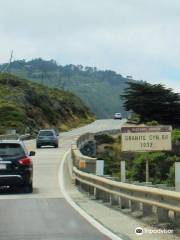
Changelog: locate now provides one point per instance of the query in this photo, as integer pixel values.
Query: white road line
(91, 220)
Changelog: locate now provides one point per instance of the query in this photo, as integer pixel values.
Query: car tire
(56, 146)
(28, 188)
(38, 146)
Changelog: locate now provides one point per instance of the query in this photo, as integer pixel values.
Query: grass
(24, 104)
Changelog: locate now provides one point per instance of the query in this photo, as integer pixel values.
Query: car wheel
(38, 146)
(28, 188)
(56, 145)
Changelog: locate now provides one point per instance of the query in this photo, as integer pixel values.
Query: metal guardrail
(24, 137)
(14, 137)
(155, 197)
(164, 205)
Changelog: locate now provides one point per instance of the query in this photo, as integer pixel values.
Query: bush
(26, 104)
(171, 176)
(152, 123)
(135, 118)
(160, 166)
(176, 135)
(104, 138)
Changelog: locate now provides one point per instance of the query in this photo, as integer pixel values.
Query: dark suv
(16, 167)
(47, 137)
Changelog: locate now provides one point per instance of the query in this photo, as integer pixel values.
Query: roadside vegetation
(27, 107)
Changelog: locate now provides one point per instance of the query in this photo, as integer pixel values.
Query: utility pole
(10, 61)
(7, 67)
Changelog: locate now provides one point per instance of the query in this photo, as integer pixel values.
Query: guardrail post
(177, 218)
(162, 215)
(114, 200)
(105, 197)
(76, 182)
(80, 186)
(98, 194)
(135, 206)
(147, 210)
(85, 188)
(124, 203)
(91, 190)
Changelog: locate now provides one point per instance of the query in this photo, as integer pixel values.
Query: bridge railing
(164, 205)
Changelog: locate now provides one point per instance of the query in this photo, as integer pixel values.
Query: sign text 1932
(145, 139)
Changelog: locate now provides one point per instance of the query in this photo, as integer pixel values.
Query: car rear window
(11, 149)
(46, 133)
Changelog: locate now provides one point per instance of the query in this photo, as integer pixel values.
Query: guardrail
(164, 205)
(14, 136)
(135, 198)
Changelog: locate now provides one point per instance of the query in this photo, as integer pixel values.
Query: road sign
(146, 138)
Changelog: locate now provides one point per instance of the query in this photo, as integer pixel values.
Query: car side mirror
(32, 153)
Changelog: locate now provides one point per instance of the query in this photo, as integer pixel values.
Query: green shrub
(134, 118)
(152, 123)
(176, 135)
(26, 104)
(171, 176)
(104, 138)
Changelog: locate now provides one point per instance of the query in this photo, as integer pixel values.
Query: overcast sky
(133, 37)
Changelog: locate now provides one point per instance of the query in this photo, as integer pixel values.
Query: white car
(117, 116)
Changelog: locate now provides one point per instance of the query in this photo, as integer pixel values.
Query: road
(45, 214)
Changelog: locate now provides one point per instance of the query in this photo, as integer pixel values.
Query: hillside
(27, 106)
(100, 90)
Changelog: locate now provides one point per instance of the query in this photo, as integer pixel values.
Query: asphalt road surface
(45, 214)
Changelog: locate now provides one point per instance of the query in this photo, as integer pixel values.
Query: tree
(153, 102)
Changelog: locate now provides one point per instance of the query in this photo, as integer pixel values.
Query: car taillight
(25, 161)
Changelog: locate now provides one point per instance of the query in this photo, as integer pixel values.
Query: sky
(140, 38)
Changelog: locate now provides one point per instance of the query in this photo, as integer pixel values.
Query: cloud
(134, 37)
